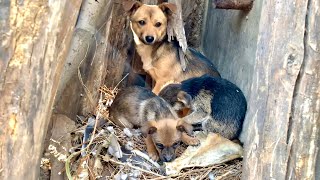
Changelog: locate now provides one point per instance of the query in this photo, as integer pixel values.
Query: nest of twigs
(96, 160)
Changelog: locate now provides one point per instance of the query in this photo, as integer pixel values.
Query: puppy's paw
(154, 155)
(193, 141)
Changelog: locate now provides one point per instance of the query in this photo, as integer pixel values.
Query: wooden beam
(304, 139)
(37, 36)
(233, 4)
(283, 112)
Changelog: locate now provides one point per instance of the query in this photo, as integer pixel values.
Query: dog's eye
(142, 22)
(158, 24)
(160, 146)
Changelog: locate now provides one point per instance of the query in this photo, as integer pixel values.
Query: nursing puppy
(139, 107)
(213, 104)
(160, 58)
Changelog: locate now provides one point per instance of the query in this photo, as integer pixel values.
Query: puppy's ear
(168, 8)
(130, 5)
(152, 130)
(184, 98)
(182, 126)
(149, 128)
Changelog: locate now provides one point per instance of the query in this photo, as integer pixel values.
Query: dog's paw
(193, 141)
(154, 155)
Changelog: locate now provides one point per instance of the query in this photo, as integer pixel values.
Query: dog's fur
(160, 58)
(163, 130)
(214, 104)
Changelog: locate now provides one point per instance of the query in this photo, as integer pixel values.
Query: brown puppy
(163, 130)
(164, 136)
(160, 58)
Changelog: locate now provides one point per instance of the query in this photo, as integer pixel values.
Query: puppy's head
(183, 103)
(178, 99)
(149, 22)
(166, 136)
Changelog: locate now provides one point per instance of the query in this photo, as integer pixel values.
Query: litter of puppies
(109, 157)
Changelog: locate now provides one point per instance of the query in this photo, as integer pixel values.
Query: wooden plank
(37, 43)
(304, 139)
(279, 58)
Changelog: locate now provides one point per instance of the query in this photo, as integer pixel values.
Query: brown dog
(163, 130)
(160, 57)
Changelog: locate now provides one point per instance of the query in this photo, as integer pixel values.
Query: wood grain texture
(276, 105)
(37, 41)
(304, 139)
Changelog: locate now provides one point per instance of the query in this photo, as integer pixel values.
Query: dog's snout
(149, 39)
(168, 158)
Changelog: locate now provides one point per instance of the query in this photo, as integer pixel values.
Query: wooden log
(283, 111)
(304, 125)
(245, 5)
(36, 35)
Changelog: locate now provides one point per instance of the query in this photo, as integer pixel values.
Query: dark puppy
(215, 103)
(139, 107)
(160, 58)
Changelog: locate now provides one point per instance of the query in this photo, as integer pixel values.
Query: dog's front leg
(151, 149)
(185, 138)
(157, 87)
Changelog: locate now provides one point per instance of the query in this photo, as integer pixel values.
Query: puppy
(160, 58)
(213, 104)
(139, 107)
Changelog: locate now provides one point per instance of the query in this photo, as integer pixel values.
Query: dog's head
(149, 22)
(166, 135)
(178, 99)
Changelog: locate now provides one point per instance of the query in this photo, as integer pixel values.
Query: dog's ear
(149, 128)
(130, 5)
(182, 126)
(152, 130)
(184, 98)
(168, 8)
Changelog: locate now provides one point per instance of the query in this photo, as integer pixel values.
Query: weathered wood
(281, 70)
(37, 36)
(304, 125)
(233, 4)
(96, 69)
(193, 16)
(79, 91)
(118, 42)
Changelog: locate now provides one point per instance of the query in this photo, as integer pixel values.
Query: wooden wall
(35, 38)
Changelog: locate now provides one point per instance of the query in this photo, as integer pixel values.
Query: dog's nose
(168, 158)
(149, 39)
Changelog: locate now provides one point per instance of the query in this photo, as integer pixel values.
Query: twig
(86, 90)
(206, 174)
(224, 175)
(137, 168)
(120, 81)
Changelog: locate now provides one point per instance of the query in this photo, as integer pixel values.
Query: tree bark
(283, 111)
(36, 39)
